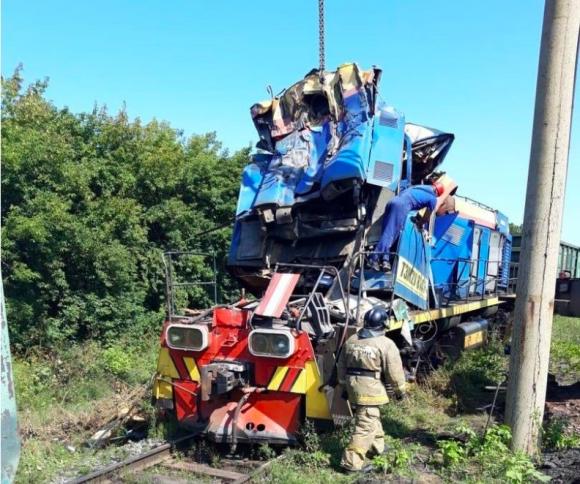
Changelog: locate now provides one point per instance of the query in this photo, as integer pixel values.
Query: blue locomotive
(342, 208)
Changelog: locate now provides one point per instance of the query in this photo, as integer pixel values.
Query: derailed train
(331, 156)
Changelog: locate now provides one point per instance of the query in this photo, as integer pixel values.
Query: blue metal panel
(483, 259)
(502, 223)
(505, 262)
(350, 161)
(412, 271)
(453, 240)
(384, 167)
(252, 178)
(463, 264)
(319, 138)
(292, 155)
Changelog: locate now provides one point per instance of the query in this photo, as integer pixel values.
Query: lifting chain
(321, 35)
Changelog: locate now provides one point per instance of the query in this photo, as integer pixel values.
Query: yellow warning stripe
(165, 364)
(419, 317)
(282, 372)
(309, 383)
(278, 378)
(300, 383)
(192, 369)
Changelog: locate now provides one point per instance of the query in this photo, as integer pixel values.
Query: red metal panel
(271, 416)
(235, 318)
(185, 400)
(277, 413)
(277, 295)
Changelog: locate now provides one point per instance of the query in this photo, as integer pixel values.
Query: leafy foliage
(491, 453)
(466, 377)
(556, 436)
(565, 350)
(89, 203)
(397, 458)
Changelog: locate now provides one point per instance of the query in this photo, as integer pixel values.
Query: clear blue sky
(461, 66)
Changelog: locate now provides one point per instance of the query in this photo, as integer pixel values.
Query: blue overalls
(413, 198)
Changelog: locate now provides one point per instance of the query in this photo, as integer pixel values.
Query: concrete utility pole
(526, 393)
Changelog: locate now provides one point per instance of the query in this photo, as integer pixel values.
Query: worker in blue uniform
(415, 197)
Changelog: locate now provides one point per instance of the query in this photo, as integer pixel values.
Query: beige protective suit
(365, 365)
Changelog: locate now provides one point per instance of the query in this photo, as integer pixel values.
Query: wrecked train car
(331, 159)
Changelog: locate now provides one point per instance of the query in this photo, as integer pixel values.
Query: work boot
(363, 470)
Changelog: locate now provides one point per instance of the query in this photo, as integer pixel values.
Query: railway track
(230, 471)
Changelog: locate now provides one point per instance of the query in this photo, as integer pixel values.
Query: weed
(491, 455)
(309, 437)
(396, 460)
(66, 395)
(565, 349)
(43, 461)
(313, 460)
(117, 360)
(453, 452)
(555, 437)
(286, 471)
(265, 452)
(464, 380)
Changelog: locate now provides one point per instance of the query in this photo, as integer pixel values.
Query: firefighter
(368, 361)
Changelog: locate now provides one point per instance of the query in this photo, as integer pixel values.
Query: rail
(163, 455)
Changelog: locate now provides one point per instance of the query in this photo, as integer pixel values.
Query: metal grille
(383, 171)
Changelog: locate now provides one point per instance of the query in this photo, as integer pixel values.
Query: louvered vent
(454, 234)
(383, 171)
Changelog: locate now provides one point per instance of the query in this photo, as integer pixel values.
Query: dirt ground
(562, 466)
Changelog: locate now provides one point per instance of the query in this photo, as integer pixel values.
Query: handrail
(170, 285)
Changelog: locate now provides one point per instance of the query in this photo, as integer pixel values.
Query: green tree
(89, 203)
(516, 229)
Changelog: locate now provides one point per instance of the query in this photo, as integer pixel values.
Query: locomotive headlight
(192, 337)
(273, 343)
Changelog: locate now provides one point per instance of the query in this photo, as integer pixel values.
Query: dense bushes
(89, 203)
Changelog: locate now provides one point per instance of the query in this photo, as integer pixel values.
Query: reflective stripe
(371, 400)
(356, 449)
